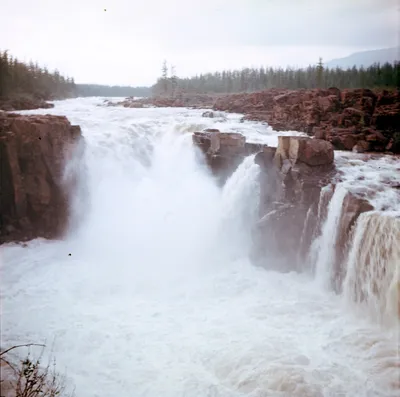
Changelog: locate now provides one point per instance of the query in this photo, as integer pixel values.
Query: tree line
(87, 90)
(385, 75)
(20, 79)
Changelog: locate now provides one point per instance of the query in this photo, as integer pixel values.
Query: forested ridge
(256, 79)
(18, 79)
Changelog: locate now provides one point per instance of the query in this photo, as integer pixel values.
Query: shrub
(29, 378)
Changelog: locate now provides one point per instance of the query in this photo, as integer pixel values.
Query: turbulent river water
(152, 292)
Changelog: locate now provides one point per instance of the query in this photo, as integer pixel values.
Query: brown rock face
(224, 150)
(308, 151)
(290, 183)
(34, 189)
(353, 207)
(290, 186)
(341, 117)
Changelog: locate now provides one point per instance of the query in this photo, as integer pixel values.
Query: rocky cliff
(358, 119)
(297, 183)
(34, 184)
(224, 151)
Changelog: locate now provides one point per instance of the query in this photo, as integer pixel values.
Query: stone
(265, 158)
(223, 150)
(353, 207)
(313, 152)
(361, 147)
(34, 151)
(319, 133)
(324, 114)
(24, 103)
(344, 142)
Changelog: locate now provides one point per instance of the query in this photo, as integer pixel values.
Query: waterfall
(240, 204)
(325, 196)
(373, 267)
(152, 292)
(324, 246)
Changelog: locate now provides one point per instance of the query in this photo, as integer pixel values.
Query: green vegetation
(29, 81)
(256, 79)
(86, 90)
(18, 79)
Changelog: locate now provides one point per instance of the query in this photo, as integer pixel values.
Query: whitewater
(151, 292)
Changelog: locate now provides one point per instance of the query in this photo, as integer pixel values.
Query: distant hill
(366, 58)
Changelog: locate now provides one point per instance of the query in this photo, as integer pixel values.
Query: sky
(125, 41)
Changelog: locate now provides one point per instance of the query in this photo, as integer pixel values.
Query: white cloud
(126, 43)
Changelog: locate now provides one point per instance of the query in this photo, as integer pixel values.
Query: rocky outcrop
(24, 103)
(290, 186)
(224, 150)
(358, 119)
(354, 119)
(211, 115)
(34, 151)
(201, 101)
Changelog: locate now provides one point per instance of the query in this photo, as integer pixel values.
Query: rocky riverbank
(35, 186)
(202, 101)
(23, 103)
(360, 120)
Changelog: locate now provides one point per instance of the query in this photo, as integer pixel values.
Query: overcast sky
(125, 41)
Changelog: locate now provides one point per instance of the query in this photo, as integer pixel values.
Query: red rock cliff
(34, 192)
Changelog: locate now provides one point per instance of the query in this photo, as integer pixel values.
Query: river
(152, 292)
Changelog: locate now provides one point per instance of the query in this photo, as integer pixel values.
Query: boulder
(34, 151)
(312, 152)
(361, 147)
(345, 141)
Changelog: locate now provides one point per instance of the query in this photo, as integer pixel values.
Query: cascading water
(373, 269)
(158, 297)
(324, 245)
(239, 206)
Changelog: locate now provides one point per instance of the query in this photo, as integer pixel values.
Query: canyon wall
(34, 183)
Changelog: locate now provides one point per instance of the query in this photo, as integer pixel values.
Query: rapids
(158, 297)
